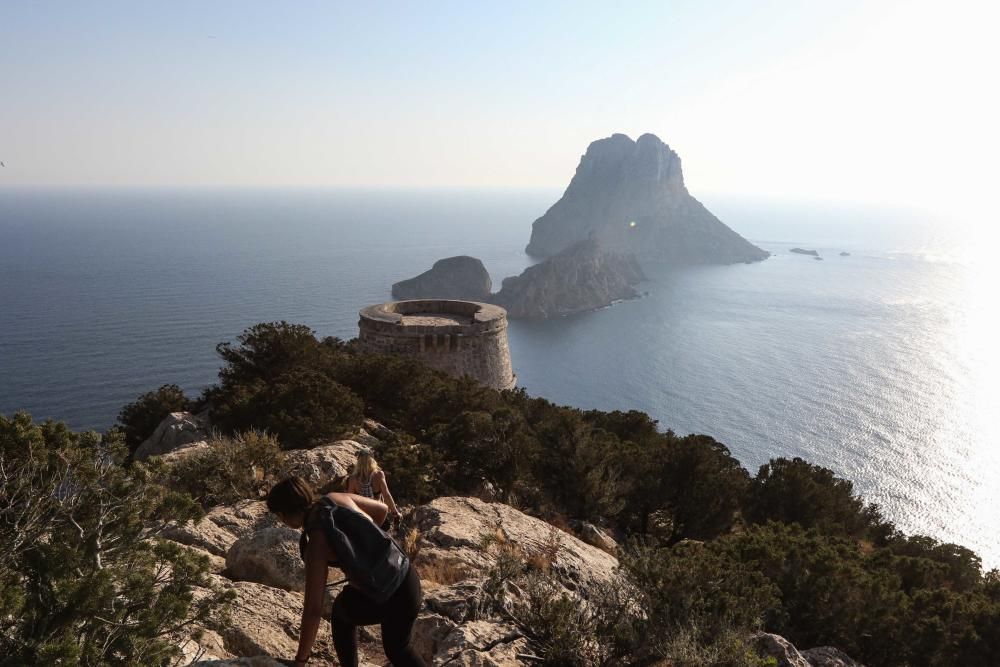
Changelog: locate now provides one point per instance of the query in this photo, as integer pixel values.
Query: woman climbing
(341, 529)
(368, 480)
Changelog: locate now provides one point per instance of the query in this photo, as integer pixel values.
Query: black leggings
(397, 614)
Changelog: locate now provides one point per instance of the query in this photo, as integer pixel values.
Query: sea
(881, 364)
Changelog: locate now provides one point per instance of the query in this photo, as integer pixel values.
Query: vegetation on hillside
(711, 551)
(82, 579)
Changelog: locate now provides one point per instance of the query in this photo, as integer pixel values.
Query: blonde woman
(368, 480)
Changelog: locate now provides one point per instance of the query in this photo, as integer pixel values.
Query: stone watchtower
(457, 337)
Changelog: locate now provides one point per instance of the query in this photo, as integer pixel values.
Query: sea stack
(461, 277)
(582, 277)
(630, 197)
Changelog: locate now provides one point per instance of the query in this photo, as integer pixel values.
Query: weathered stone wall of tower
(457, 337)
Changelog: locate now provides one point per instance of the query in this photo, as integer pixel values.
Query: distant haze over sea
(878, 365)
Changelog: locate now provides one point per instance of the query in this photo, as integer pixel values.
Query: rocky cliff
(460, 277)
(459, 545)
(630, 196)
(580, 278)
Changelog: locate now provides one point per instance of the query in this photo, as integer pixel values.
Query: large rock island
(583, 277)
(460, 277)
(630, 196)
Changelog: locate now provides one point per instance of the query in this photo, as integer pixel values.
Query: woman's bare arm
(317, 555)
(373, 508)
(384, 488)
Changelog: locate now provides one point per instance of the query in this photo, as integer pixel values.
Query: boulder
(630, 196)
(429, 632)
(453, 528)
(216, 564)
(207, 649)
(268, 556)
(481, 644)
(828, 656)
(453, 602)
(595, 537)
(177, 430)
(322, 465)
(376, 429)
(367, 439)
(777, 647)
(222, 526)
(265, 621)
(460, 277)
(184, 451)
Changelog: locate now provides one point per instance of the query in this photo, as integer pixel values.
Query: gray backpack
(372, 561)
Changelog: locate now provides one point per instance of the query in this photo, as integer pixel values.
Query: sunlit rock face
(630, 196)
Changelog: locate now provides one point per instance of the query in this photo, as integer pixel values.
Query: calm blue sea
(880, 365)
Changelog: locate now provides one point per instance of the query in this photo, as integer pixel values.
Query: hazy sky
(863, 101)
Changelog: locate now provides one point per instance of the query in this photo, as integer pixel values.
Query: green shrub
(867, 602)
(83, 579)
(579, 468)
(682, 488)
(229, 469)
(497, 447)
(414, 469)
(281, 379)
(694, 585)
(138, 420)
(795, 491)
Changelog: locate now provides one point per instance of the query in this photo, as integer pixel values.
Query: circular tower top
(457, 337)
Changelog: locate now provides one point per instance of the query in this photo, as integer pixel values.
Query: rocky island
(630, 196)
(583, 277)
(803, 251)
(580, 278)
(460, 277)
(627, 202)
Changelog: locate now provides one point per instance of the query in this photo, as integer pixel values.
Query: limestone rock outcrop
(481, 643)
(265, 621)
(594, 536)
(221, 526)
(322, 465)
(177, 431)
(828, 656)
(451, 629)
(583, 277)
(453, 528)
(786, 655)
(779, 648)
(461, 277)
(630, 196)
(268, 556)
